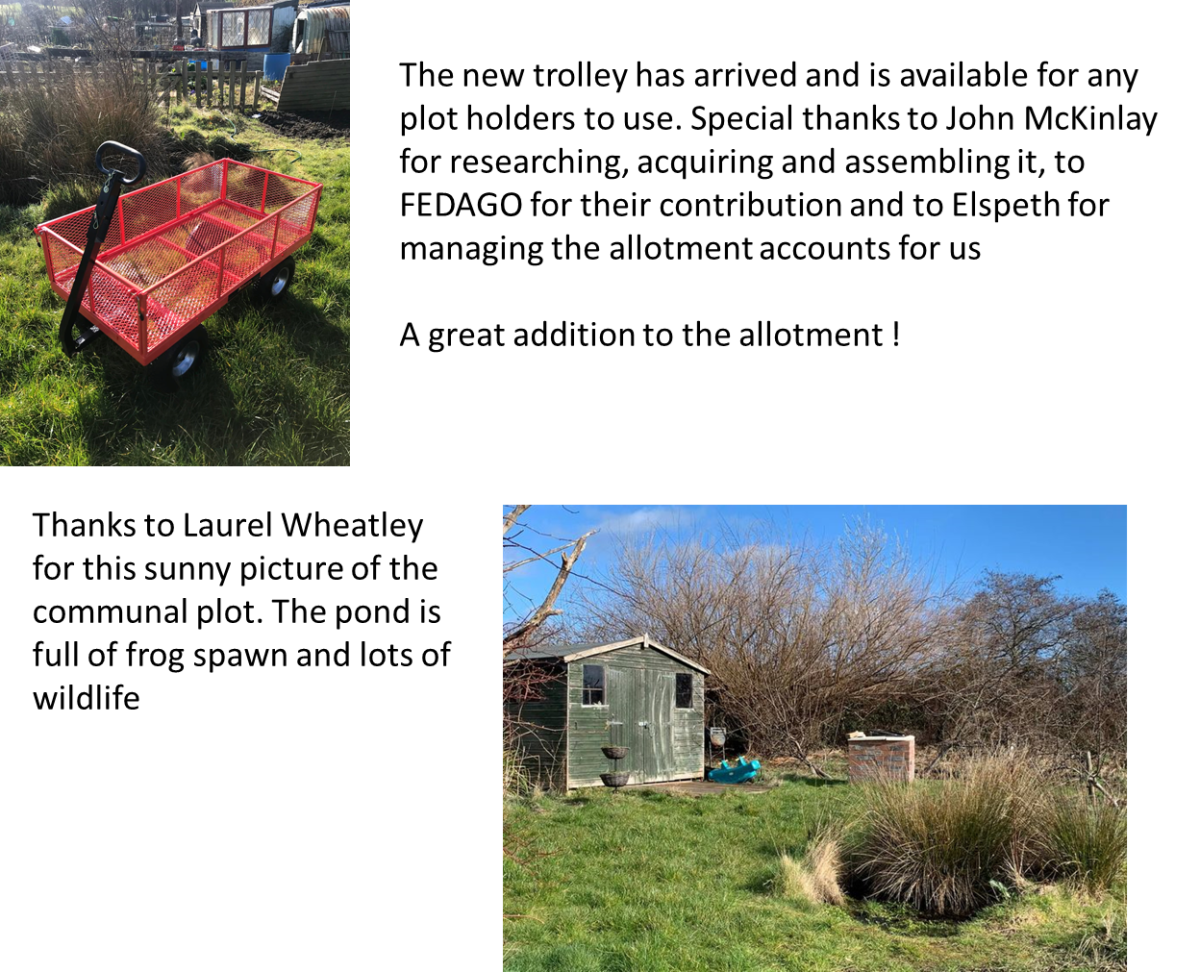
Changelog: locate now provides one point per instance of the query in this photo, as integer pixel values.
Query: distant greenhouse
(265, 28)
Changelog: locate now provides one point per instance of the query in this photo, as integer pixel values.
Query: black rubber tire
(276, 281)
(181, 359)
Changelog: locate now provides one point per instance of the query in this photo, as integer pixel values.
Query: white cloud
(647, 519)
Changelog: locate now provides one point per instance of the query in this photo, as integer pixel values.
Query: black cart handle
(141, 161)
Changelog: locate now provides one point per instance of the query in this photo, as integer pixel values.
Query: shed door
(657, 695)
(624, 689)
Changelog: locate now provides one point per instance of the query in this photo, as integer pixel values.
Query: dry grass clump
(949, 848)
(815, 878)
(943, 847)
(197, 160)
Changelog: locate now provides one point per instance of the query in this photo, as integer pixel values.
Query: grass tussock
(944, 848)
(49, 132)
(814, 878)
(1086, 843)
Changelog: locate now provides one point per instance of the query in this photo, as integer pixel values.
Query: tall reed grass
(50, 129)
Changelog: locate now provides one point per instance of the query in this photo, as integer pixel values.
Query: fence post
(208, 69)
(243, 99)
(257, 80)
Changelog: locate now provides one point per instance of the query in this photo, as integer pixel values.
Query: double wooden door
(642, 703)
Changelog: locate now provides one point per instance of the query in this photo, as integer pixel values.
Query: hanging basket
(615, 752)
(614, 780)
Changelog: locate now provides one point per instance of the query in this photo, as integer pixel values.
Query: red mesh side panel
(115, 304)
(73, 228)
(282, 190)
(147, 209)
(180, 299)
(244, 185)
(63, 258)
(293, 222)
(200, 187)
(246, 254)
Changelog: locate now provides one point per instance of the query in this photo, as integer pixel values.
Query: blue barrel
(274, 65)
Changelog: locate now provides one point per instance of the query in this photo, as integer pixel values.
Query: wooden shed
(634, 693)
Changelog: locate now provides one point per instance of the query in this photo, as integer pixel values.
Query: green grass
(644, 881)
(273, 390)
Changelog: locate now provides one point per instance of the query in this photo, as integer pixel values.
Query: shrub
(944, 848)
(816, 877)
(1084, 843)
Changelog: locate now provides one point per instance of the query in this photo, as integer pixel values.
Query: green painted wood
(640, 689)
(658, 761)
(542, 734)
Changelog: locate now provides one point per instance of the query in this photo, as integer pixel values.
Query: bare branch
(511, 517)
(547, 609)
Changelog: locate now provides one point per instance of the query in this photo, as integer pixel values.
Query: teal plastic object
(739, 772)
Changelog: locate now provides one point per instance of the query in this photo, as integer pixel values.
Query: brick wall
(882, 758)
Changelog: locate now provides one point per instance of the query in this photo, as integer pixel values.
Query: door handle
(644, 724)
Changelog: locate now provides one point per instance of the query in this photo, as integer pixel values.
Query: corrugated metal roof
(321, 30)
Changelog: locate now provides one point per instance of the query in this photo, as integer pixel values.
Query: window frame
(584, 688)
(691, 683)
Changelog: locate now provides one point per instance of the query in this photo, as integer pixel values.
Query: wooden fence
(230, 86)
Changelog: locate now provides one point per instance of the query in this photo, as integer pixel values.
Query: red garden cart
(148, 267)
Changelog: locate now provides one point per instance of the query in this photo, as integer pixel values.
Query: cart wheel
(275, 283)
(180, 359)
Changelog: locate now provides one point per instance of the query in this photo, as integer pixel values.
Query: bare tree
(1000, 674)
(796, 636)
(526, 678)
(1095, 674)
(522, 550)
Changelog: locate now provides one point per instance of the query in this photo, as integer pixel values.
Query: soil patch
(320, 125)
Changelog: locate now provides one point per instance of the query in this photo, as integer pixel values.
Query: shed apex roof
(575, 652)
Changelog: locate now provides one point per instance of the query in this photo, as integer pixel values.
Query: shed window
(593, 685)
(683, 691)
(233, 29)
(258, 27)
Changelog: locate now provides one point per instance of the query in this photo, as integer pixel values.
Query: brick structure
(882, 758)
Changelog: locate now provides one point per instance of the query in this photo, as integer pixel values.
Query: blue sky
(1084, 545)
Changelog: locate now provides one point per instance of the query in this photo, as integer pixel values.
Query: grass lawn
(645, 881)
(274, 389)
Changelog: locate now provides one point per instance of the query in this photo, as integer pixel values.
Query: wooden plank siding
(317, 86)
(640, 687)
(541, 733)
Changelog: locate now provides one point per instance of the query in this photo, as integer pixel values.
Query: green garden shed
(635, 693)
